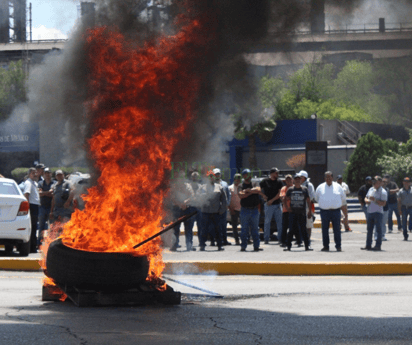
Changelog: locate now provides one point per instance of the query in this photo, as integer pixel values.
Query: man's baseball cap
(296, 176)
(303, 173)
(273, 170)
(339, 177)
(368, 178)
(406, 179)
(237, 176)
(246, 171)
(40, 166)
(288, 176)
(59, 172)
(216, 171)
(47, 170)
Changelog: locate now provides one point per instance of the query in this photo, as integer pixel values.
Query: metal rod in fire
(167, 228)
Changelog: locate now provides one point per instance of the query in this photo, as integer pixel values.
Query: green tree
(364, 160)
(271, 91)
(12, 88)
(312, 82)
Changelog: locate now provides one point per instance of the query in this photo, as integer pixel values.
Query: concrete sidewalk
(394, 259)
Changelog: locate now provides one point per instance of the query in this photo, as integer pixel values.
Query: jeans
(188, 224)
(44, 213)
(34, 214)
(384, 221)
(374, 219)
(285, 227)
(365, 210)
(210, 225)
(393, 208)
(326, 217)
(297, 223)
(270, 212)
(235, 223)
(198, 220)
(249, 220)
(405, 213)
(223, 226)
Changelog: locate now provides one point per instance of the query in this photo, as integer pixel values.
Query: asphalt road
(253, 310)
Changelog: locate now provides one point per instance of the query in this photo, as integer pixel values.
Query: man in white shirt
(331, 199)
(32, 195)
(376, 200)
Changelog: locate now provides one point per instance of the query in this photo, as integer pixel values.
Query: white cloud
(43, 33)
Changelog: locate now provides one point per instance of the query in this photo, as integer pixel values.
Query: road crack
(66, 329)
(215, 325)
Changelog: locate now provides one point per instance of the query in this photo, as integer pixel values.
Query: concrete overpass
(34, 51)
(278, 50)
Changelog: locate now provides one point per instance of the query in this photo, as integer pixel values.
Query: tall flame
(142, 100)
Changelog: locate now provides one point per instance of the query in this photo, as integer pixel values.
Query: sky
(53, 19)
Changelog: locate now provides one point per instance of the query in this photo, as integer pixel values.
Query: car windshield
(8, 188)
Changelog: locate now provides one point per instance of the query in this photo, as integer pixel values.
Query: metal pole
(167, 228)
(31, 24)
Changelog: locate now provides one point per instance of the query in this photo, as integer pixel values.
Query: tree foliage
(360, 91)
(397, 162)
(12, 88)
(366, 159)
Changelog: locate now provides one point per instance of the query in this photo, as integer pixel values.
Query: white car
(15, 226)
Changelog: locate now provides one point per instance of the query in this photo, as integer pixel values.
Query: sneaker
(193, 249)
(257, 249)
(286, 249)
(366, 248)
(324, 249)
(242, 249)
(308, 249)
(377, 248)
(202, 249)
(339, 249)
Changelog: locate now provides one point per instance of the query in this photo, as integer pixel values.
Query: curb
(253, 268)
(288, 268)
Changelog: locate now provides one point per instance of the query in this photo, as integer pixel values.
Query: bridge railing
(356, 29)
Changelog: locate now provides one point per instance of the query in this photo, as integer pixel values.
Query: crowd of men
(50, 200)
(290, 204)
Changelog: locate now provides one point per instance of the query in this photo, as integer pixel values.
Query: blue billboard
(21, 137)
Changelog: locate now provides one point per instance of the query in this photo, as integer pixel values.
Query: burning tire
(95, 271)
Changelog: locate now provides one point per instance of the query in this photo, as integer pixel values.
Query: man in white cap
(305, 182)
(223, 217)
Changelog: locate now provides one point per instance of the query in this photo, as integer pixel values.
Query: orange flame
(141, 103)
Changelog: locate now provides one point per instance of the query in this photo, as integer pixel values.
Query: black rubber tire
(94, 271)
(8, 248)
(24, 249)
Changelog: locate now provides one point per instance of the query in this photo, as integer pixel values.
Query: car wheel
(92, 270)
(8, 248)
(24, 249)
